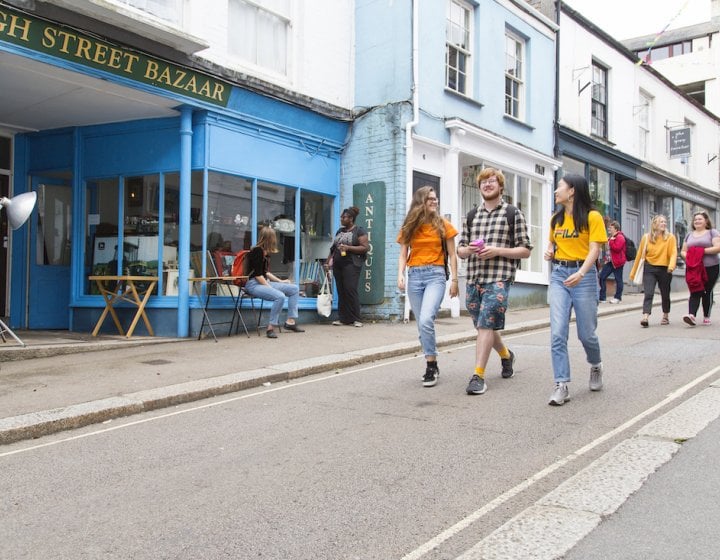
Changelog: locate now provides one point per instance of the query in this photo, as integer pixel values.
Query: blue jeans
(275, 293)
(426, 289)
(605, 273)
(583, 298)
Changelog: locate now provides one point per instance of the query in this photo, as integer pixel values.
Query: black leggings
(656, 275)
(707, 295)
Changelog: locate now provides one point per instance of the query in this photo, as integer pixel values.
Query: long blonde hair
(653, 235)
(419, 215)
(267, 240)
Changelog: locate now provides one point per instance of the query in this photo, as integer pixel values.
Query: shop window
(276, 208)
(101, 230)
(316, 236)
(599, 182)
(574, 166)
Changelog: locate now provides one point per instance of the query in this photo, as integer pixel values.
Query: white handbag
(640, 270)
(324, 298)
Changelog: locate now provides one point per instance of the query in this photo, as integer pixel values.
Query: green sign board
(66, 43)
(370, 198)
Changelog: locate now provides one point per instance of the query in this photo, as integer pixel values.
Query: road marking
(490, 506)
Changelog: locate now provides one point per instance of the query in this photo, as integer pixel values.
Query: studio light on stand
(18, 210)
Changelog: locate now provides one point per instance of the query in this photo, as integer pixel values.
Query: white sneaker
(596, 382)
(690, 319)
(560, 395)
(614, 300)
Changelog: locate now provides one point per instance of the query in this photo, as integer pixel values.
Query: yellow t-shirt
(425, 245)
(571, 245)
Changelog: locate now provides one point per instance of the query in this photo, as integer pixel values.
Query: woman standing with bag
(659, 255)
(347, 256)
(422, 252)
(577, 231)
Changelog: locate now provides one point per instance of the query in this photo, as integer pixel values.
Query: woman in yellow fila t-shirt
(422, 253)
(577, 232)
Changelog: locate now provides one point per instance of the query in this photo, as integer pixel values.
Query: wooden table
(216, 282)
(115, 289)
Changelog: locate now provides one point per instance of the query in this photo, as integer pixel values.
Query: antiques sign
(370, 198)
(69, 44)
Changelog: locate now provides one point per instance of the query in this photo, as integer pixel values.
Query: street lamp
(18, 209)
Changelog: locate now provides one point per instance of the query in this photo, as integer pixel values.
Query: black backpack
(630, 249)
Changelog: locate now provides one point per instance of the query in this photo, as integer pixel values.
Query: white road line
(487, 508)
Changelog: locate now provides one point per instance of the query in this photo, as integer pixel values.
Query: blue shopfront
(160, 196)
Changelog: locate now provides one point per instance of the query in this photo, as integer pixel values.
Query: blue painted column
(183, 311)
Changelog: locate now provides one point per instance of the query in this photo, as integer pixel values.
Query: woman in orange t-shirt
(423, 254)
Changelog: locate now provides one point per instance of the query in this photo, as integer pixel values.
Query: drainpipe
(183, 311)
(409, 130)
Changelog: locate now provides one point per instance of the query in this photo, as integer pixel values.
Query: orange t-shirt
(425, 245)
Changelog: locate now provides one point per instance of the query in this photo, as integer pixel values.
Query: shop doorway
(49, 255)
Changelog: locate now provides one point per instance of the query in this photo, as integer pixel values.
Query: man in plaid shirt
(491, 271)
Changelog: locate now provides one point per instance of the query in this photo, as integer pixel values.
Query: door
(49, 273)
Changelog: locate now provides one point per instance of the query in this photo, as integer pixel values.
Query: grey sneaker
(476, 386)
(507, 366)
(560, 395)
(430, 378)
(596, 383)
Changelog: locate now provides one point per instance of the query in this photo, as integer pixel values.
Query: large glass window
(457, 46)
(316, 235)
(599, 182)
(574, 166)
(259, 34)
(598, 125)
(514, 76)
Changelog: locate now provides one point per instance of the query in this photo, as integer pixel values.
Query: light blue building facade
(444, 89)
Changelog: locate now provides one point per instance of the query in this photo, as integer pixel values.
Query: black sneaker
(430, 378)
(476, 386)
(507, 366)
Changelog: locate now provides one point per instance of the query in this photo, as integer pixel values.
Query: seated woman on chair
(264, 285)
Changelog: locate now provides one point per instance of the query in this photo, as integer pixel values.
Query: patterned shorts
(487, 304)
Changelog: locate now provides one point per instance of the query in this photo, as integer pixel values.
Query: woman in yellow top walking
(422, 253)
(660, 249)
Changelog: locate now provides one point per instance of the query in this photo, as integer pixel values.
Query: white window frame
(643, 119)
(514, 76)
(458, 54)
(258, 37)
(166, 10)
(599, 100)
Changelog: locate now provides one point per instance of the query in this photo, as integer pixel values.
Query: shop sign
(68, 44)
(370, 199)
(680, 142)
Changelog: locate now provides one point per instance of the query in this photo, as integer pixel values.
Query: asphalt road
(363, 463)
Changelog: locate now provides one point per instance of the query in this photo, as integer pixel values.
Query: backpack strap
(510, 213)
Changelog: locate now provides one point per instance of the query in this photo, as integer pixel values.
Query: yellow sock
(480, 372)
(504, 353)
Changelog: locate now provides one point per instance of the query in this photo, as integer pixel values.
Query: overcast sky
(632, 18)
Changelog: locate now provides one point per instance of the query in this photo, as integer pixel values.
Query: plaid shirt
(493, 227)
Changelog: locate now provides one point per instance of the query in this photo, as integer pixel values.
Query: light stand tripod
(5, 329)
(18, 210)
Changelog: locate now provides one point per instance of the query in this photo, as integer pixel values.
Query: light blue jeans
(275, 293)
(425, 290)
(583, 298)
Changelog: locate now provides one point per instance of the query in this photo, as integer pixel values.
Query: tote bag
(638, 280)
(324, 299)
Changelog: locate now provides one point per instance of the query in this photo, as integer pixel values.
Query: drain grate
(157, 362)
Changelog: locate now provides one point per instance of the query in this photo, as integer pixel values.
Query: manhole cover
(157, 362)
